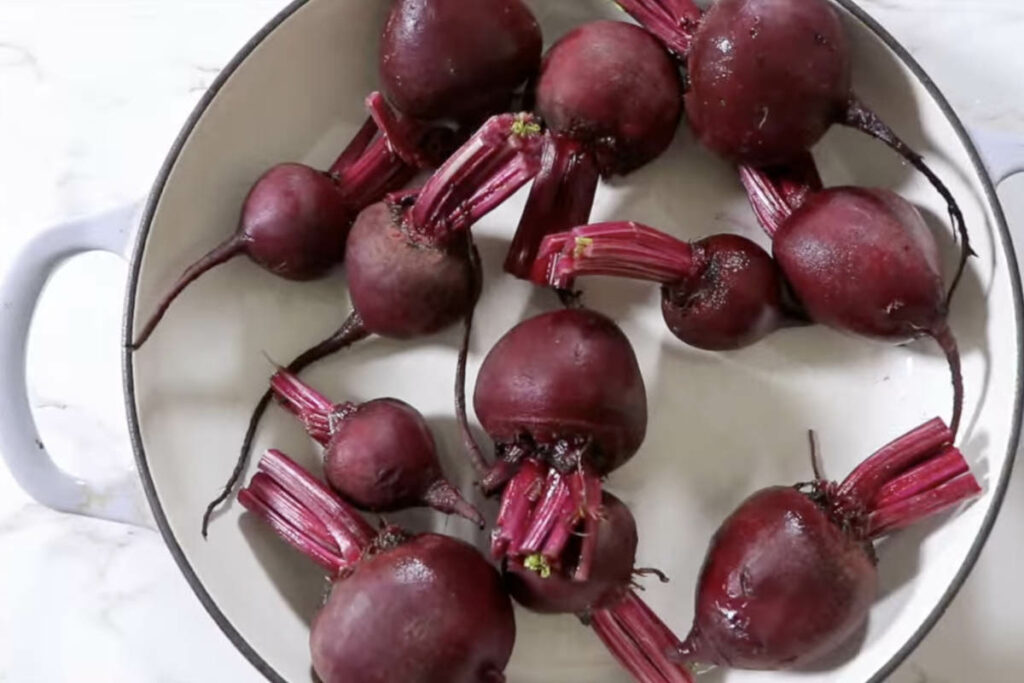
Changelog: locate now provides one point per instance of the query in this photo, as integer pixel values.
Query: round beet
(418, 609)
(611, 577)
(565, 377)
(767, 78)
(562, 397)
(439, 615)
(863, 260)
(790, 575)
(451, 59)
(611, 86)
(719, 293)
(782, 585)
(612, 98)
(379, 455)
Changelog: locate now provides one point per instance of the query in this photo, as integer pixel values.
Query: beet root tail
(640, 641)
(222, 253)
(444, 497)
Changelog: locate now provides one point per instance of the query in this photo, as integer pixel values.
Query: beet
(612, 99)
(439, 613)
(562, 397)
(379, 455)
(411, 264)
(606, 601)
(442, 64)
(450, 59)
(720, 293)
(768, 78)
(860, 260)
(790, 575)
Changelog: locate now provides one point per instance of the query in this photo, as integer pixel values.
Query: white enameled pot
(722, 425)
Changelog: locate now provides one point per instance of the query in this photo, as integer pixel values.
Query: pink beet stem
(863, 484)
(949, 464)
(651, 635)
(291, 510)
(521, 494)
(768, 204)
(673, 22)
(502, 156)
(569, 517)
(317, 413)
(356, 146)
(351, 532)
(933, 501)
(623, 249)
(405, 137)
(561, 198)
(547, 515)
(296, 538)
(639, 640)
(371, 177)
(586, 492)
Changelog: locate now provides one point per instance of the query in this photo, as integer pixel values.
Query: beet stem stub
(673, 22)
(222, 253)
(640, 641)
(620, 248)
(860, 117)
(502, 156)
(900, 515)
(355, 148)
(561, 198)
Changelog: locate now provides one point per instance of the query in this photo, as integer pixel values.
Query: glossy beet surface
(431, 610)
(863, 260)
(402, 288)
(452, 59)
(767, 77)
(295, 221)
(782, 584)
(614, 87)
(610, 578)
(735, 300)
(565, 374)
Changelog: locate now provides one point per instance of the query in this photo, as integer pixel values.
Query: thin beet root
(861, 260)
(410, 264)
(720, 293)
(606, 601)
(601, 124)
(379, 455)
(791, 575)
(768, 78)
(562, 397)
(470, 628)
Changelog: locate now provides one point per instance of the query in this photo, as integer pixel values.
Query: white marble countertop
(92, 92)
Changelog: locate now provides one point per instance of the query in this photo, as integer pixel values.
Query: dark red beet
(379, 455)
(768, 78)
(612, 98)
(790, 575)
(606, 601)
(562, 396)
(860, 260)
(411, 265)
(719, 293)
(439, 613)
(451, 59)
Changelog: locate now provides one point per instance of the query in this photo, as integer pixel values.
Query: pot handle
(20, 444)
(1003, 153)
